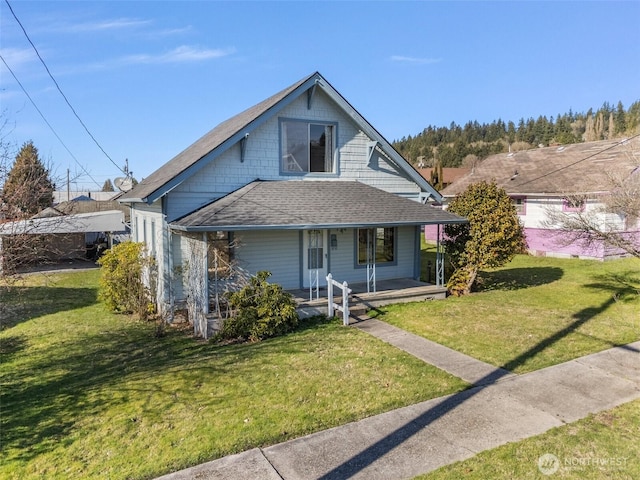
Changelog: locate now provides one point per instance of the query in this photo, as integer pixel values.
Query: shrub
(491, 238)
(260, 310)
(122, 288)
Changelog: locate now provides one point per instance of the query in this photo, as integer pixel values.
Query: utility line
(578, 161)
(60, 90)
(46, 121)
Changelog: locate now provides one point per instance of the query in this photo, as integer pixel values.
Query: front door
(314, 259)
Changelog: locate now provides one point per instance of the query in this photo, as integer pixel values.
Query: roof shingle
(311, 204)
(576, 168)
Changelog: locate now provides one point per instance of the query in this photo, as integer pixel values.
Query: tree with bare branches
(607, 220)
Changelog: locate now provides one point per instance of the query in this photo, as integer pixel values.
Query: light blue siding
(277, 251)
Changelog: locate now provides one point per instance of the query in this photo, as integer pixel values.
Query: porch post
(206, 275)
(439, 260)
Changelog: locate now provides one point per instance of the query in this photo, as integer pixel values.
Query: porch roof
(298, 204)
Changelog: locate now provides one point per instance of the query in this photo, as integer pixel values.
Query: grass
(604, 445)
(533, 313)
(88, 394)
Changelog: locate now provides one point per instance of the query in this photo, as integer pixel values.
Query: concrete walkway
(458, 364)
(406, 442)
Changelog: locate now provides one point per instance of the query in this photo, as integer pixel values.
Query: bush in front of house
(122, 288)
(260, 310)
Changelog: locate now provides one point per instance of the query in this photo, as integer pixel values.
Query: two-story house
(300, 185)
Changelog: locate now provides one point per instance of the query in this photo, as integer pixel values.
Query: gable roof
(557, 170)
(296, 204)
(231, 131)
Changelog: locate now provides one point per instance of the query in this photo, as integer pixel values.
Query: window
(307, 147)
(153, 238)
(520, 204)
(572, 204)
(376, 243)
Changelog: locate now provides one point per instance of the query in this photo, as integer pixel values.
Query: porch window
(219, 254)
(307, 147)
(376, 245)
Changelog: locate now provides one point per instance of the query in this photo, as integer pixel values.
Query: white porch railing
(344, 308)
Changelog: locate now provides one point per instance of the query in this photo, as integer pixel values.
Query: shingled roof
(576, 168)
(231, 131)
(209, 142)
(290, 204)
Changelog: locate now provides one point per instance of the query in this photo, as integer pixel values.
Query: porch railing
(344, 308)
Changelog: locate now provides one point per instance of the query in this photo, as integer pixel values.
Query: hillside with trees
(462, 145)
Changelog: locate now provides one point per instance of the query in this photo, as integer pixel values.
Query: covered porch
(400, 290)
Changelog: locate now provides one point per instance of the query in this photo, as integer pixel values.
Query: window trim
(336, 157)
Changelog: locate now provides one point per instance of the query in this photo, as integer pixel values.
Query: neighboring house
(60, 196)
(52, 236)
(300, 185)
(549, 178)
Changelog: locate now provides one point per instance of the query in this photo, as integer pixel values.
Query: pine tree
(28, 188)
(621, 124)
(107, 186)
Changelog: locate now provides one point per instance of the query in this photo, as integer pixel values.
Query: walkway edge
(457, 364)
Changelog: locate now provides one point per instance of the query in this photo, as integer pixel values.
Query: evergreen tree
(107, 186)
(28, 188)
(620, 119)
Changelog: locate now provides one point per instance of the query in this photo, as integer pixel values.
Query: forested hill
(458, 145)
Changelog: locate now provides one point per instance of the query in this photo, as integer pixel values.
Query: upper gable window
(307, 147)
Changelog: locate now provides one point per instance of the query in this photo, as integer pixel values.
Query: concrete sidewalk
(406, 442)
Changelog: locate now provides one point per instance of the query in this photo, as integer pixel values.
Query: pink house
(544, 180)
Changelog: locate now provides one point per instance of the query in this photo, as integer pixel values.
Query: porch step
(357, 313)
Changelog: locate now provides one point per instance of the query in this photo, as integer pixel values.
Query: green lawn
(88, 394)
(601, 446)
(534, 312)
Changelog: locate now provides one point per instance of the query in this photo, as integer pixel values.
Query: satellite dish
(124, 184)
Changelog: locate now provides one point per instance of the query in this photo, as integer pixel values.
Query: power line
(577, 161)
(46, 121)
(60, 90)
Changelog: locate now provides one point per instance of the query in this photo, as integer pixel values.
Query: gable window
(521, 205)
(307, 147)
(376, 245)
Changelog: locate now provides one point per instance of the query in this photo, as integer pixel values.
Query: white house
(300, 185)
(544, 180)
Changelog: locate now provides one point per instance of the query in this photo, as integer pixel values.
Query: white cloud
(414, 60)
(102, 26)
(182, 54)
(16, 57)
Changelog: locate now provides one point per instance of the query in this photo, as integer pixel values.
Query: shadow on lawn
(518, 278)
(372, 453)
(624, 286)
(40, 410)
(20, 304)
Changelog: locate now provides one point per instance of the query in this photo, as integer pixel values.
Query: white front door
(314, 258)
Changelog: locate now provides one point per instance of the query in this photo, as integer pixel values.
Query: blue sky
(149, 78)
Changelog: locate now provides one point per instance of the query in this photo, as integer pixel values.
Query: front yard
(88, 394)
(533, 313)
